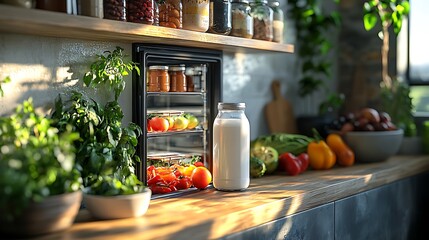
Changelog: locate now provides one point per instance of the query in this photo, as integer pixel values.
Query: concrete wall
(42, 67)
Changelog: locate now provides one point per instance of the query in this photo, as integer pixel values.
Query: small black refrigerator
(203, 70)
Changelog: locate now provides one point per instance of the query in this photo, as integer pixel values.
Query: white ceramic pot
(54, 213)
(120, 206)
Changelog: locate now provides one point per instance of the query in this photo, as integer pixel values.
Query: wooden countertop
(211, 214)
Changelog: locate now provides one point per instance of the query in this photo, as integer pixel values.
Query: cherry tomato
(201, 177)
(184, 183)
(303, 158)
(159, 124)
(154, 180)
(156, 189)
(290, 163)
(199, 164)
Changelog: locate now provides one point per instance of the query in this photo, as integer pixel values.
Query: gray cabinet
(399, 210)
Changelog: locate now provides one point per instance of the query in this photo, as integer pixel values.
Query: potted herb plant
(106, 150)
(39, 183)
(312, 24)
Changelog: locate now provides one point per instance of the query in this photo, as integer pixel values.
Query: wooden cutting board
(279, 113)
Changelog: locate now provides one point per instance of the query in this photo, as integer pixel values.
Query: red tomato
(303, 158)
(159, 124)
(199, 164)
(160, 189)
(201, 177)
(290, 163)
(148, 127)
(184, 183)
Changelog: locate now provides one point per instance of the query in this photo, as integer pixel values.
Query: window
(418, 55)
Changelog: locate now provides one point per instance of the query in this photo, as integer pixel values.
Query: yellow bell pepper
(320, 155)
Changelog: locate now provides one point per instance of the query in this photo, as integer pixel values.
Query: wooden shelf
(55, 24)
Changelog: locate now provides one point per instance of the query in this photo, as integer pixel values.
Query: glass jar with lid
(278, 21)
(242, 21)
(262, 20)
(177, 79)
(231, 148)
(115, 10)
(220, 17)
(170, 13)
(158, 79)
(140, 11)
(196, 15)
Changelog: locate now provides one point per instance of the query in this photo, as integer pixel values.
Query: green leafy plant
(110, 69)
(35, 160)
(395, 95)
(313, 45)
(106, 149)
(389, 13)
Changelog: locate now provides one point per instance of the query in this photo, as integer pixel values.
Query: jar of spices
(19, 3)
(220, 17)
(158, 79)
(196, 15)
(262, 20)
(115, 10)
(155, 13)
(52, 5)
(140, 11)
(242, 21)
(177, 79)
(278, 22)
(91, 8)
(170, 14)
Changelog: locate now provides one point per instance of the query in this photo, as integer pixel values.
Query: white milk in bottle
(231, 148)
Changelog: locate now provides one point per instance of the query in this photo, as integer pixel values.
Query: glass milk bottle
(231, 148)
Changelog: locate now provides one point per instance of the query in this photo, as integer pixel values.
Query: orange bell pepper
(320, 155)
(345, 155)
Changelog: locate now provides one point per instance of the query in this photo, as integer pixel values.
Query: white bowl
(374, 146)
(120, 206)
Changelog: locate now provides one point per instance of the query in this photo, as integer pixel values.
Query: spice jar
(19, 3)
(231, 148)
(155, 13)
(196, 15)
(158, 79)
(91, 8)
(262, 20)
(242, 21)
(278, 22)
(177, 79)
(220, 17)
(114, 10)
(140, 11)
(52, 5)
(170, 14)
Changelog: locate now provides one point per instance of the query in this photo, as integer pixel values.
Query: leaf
(369, 21)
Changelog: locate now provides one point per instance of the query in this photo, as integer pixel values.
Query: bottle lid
(158, 68)
(240, 1)
(177, 68)
(231, 106)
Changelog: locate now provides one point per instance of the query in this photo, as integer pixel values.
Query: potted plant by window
(312, 26)
(395, 94)
(106, 150)
(39, 183)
